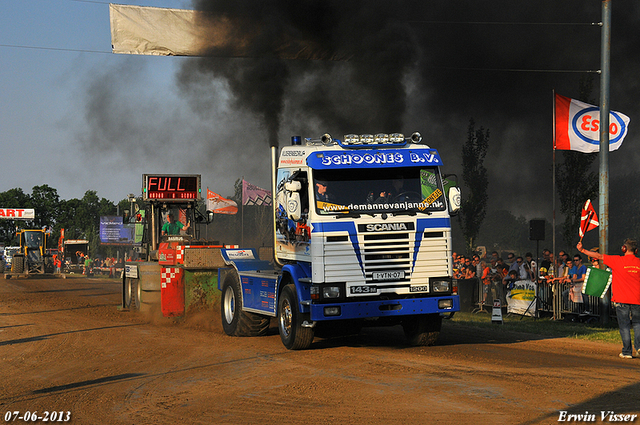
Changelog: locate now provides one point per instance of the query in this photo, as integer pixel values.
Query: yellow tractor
(32, 258)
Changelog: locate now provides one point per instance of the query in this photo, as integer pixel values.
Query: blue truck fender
(300, 275)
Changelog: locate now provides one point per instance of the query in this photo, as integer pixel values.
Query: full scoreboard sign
(170, 187)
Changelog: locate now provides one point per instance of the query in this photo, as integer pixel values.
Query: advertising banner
(114, 231)
(521, 299)
(17, 213)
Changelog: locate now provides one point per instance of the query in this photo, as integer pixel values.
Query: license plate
(395, 275)
(364, 289)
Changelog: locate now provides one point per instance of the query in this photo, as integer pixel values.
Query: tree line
(80, 218)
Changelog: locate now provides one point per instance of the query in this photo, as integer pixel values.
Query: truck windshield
(371, 191)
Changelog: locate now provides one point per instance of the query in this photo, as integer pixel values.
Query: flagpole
(206, 207)
(242, 214)
(553, 168)
(588, 221)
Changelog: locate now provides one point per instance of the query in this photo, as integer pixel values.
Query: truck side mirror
(294, 208)
(455, 200)
(293, 186)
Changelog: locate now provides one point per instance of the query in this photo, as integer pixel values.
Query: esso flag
(578, 126)
(17, 213)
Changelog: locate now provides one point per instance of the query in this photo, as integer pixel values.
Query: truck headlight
(330, 292)
(440, 285)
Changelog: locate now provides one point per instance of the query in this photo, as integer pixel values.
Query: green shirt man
(173, 227)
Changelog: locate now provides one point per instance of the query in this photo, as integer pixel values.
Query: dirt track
(65, 347)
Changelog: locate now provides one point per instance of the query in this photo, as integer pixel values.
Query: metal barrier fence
(475, 297)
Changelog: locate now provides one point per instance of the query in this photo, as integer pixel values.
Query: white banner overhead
(17, 213)
(137, 30)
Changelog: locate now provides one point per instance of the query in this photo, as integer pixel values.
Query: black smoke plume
(286, 46)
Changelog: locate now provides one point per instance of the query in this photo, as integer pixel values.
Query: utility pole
(603, 204)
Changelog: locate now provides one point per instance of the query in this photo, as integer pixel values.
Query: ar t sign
(17, 213)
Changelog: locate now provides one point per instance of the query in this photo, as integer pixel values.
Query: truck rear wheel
(236, 322)
(294, 336)
(422, 330)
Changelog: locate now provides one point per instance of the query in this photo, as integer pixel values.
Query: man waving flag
(588, 219)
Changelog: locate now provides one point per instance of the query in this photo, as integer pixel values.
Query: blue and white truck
(362, 237)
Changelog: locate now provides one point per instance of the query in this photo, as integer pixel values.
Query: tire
(17, 264)
(131, 296)
(422, 330)
(293, 335)
(236, 322)
(48, 265)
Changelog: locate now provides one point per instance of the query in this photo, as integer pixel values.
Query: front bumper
(384, 308)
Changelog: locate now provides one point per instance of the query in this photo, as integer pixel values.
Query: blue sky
(51, 52)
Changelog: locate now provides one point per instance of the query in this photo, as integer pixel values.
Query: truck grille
(355, 258)
(387, 252)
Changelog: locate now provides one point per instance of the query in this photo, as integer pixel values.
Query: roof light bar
(370, 139)
(361, 140)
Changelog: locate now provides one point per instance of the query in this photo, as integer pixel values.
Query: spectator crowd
(498, 276)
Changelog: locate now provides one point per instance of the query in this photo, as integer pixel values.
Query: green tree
(474, 175)
(12, 198)
(237, 192)
(45, 200)
(575, 183)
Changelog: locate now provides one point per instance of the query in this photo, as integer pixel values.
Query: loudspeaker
(536, 230)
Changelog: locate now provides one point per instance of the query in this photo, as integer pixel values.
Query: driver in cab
(396, 192)
(322, 194)
(173, 227)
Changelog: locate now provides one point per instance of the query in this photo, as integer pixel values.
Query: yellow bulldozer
(32, 258)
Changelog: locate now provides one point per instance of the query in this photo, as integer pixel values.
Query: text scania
(386, 227)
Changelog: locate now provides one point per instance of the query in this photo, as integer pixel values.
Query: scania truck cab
(362, 238)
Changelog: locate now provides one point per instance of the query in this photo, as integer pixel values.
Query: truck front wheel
(294, 336)
(422, 329)
(236, 322)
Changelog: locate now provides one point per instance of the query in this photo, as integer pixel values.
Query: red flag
(578, 126)
(220, 205)
(588, 219)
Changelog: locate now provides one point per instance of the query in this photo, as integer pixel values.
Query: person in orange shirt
(625, 292)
